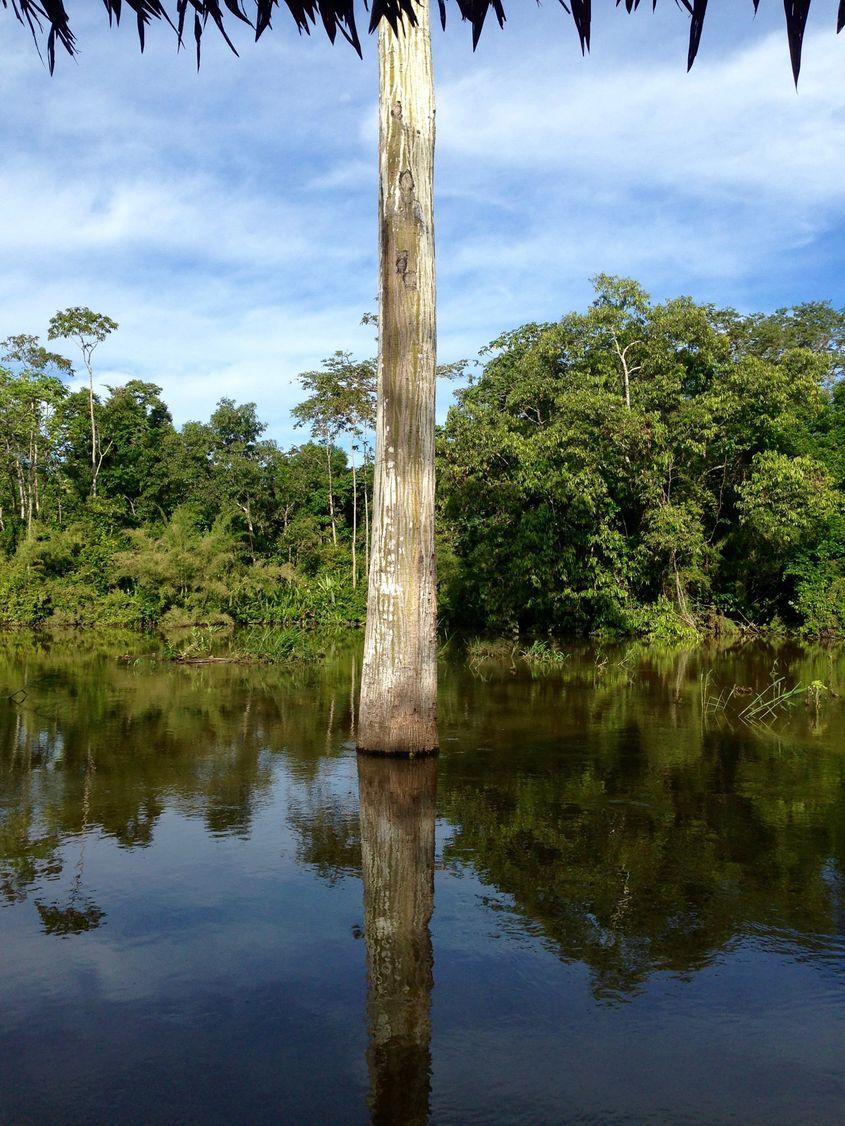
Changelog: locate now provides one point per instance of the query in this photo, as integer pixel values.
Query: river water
(613, 898)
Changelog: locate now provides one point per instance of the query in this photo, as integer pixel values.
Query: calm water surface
(610, 900)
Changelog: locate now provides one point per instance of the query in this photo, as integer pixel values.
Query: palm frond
(50, 18)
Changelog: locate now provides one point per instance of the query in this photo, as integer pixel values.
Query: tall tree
(341, 401)
(28, 397)
(236, 458)
(399, 675)
(89, 330)
(141, 431)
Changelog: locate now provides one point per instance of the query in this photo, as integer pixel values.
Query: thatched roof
(191, 17)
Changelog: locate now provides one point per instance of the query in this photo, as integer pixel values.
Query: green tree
(342, 401)
(237, 459)
(572, 505)
(141, 435)
(182, 564)
(29, 395)
(88, 330)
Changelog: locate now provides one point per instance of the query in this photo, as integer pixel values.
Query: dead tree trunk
(399, 677)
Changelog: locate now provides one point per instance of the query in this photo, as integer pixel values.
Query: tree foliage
(640, 467)
(208, 522)
(639, 455)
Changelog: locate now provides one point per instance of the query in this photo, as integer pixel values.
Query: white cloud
(227, 220)
(735, 126)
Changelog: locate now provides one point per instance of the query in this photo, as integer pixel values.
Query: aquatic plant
(543, 655)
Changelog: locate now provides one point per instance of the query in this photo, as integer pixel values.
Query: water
(610, 900)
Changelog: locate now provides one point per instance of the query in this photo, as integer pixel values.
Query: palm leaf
(50, 18)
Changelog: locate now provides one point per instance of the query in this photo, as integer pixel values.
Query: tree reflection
(647, 855)
(69, 918)
(625, 830)
(80, 913)
(397, 807)
(91, 744)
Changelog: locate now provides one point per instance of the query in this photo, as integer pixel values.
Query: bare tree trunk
(627, 370)
(247, 511)
(397, 808)
(354, 523)
(399, 678)
(30, 485)
(102, 454)
(95, 469)
(21, 488)
(331, 492)
(37, 491)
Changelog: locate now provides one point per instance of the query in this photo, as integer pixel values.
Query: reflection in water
(79, 913)
(397, 807)
(628, 885)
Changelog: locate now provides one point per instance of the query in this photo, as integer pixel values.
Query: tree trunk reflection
(397, 807)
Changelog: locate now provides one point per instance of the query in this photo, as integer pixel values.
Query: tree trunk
(21, 488)
(35, 486)
(397, 808)
(247, 511)
(399, 678)
(30, 485)
(94, 443)
(329, 451)
(354, 523)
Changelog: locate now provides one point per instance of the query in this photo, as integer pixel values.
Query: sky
(227, 218)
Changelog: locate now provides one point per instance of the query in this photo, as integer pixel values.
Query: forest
(656, 469)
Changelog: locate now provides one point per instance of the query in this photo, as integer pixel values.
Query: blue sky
(226, 219)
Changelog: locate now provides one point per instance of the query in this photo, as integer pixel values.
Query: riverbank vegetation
(657, 469)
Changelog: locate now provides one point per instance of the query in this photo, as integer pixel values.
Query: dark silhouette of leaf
(796, 20)
(699, 10)
(339, 17)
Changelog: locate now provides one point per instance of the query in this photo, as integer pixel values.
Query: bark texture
(397, 809)
(399, 677)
